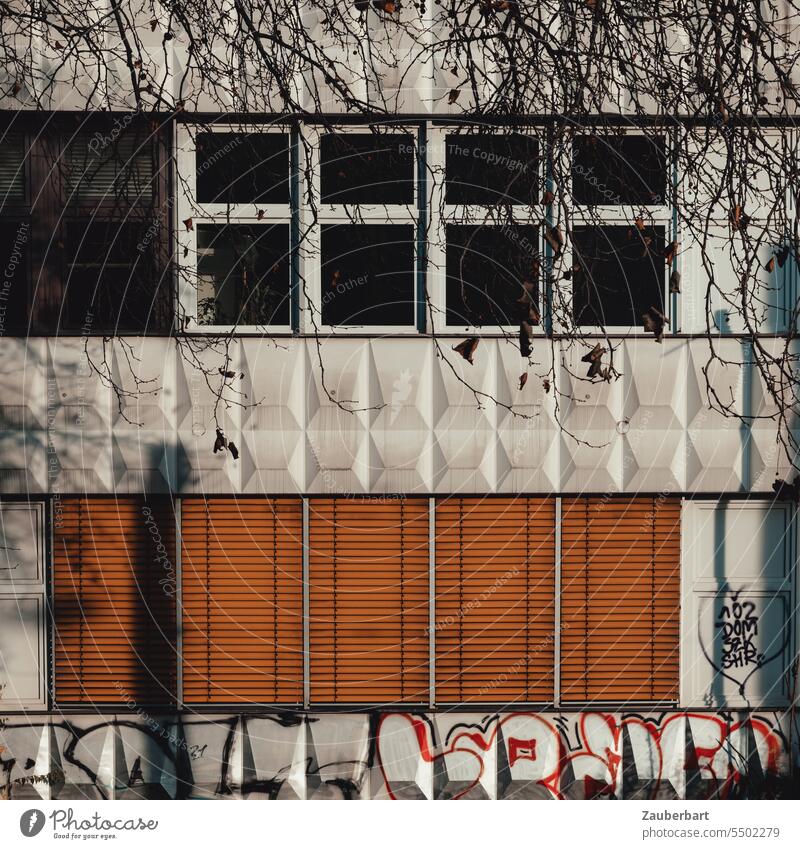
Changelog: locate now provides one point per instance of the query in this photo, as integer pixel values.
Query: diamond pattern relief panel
(383, 415)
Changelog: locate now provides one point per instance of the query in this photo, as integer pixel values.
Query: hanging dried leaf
(546, 385)
(654, 321)
(467, 348)
(555, 239)
(220, 443)
(188, 223)
(670, 252)
(525, 338)
(453, 96)
(234, 450)
(153, 25)
(782, 255)
(675, 283)
(523, 379)
(547, 198)
(739, 220)
(770, 265)
(259, 214)
(594, 355)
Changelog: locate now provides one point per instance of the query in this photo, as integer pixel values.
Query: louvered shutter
(114, 600)
(369, 600)
(495, 599)
(12, 169)
(242, 579)
(101, 168)
(620, 585)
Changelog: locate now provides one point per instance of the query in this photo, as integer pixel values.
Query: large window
(84, 229)
(234, 228)
(485, 253)
(365, 182)
(620, 227)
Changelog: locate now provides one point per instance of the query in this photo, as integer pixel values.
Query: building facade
(275, 524)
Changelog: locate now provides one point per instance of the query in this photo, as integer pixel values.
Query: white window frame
(614, 215)
(32, 588)
(187, 206)
(442, 214)
(379, 214)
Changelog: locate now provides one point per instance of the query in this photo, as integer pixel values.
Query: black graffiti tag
(737, 626)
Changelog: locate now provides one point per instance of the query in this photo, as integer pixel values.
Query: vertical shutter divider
(335, 657)
(402, 600)
(81, 597)
(652, 598)
(208, 598)
(461, 598)
(527, 599)
(273, 511)
(586, 590)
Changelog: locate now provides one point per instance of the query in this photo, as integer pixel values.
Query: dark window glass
(242, 168)
(367, 168)
(14, 239)
(620, 274)
(611, 170)
(491, 169)
(492, 274)
(102, 169)
(243, 274)
(12, 169)
(368, 274)
(112, 277)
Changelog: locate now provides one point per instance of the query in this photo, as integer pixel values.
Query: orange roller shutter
(620, 599)
(242, 579)
(369, 600)
(114, 600)
(495, 599)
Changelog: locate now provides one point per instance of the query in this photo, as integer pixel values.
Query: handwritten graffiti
(737, 625)
(589, 755)
(400, 756)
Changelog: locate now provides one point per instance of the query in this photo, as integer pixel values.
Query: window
(619, 257)
(15, 234)
(620, 588)
(22, 606)
(114, 601)
(234, 230)
(242, 274)
(495, 599)
(113, 233)
(242, 602)
(613, 170)
(483, 244)
(618, 274)
(492, 274)
(367, 274)
(369, 600)
(367, 235)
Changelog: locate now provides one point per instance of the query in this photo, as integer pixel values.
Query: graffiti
(738, 626)
(399, 755)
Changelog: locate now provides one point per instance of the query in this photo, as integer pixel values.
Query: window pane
(367, 168)
(368, 274)
(492, 274)
(621, 274)
(243, 274)
(613, 170)
(490, 169)
(12, 169)
(100, 168)
(14, 239)
(242, 168)
(112, 277)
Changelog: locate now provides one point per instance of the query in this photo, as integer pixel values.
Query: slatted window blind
(495, 599)
(114, 616)
(101, 168)
(369, 600)
(620, 599)
(242, 578)
(12, 169)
